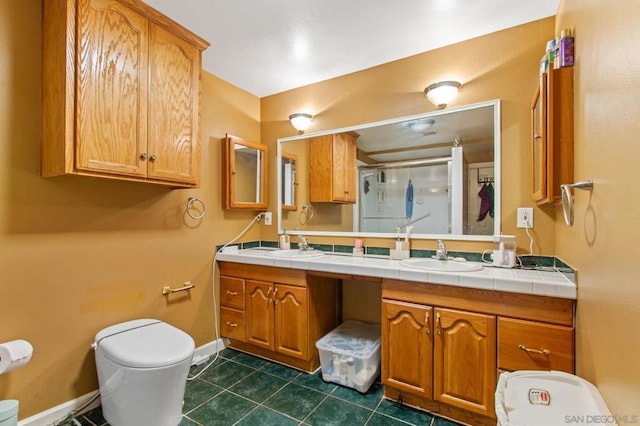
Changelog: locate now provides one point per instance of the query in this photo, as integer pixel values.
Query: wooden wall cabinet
(244, 174)
(332, 168)
(552, 135)
(284, 312)
(443, 347)
(121, 88)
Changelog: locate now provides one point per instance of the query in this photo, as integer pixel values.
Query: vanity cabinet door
(291, 321)
(407, 347)
(465, 360)
(259, 313)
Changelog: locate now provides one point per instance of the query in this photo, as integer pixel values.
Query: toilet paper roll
(14, 355)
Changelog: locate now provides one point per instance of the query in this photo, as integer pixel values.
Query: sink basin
(295, 254)
(440, 265)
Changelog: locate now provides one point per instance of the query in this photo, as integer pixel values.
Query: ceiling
(271, 46)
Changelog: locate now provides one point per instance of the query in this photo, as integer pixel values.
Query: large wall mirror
(437, 172)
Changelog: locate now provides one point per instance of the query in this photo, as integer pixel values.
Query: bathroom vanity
(446, 336)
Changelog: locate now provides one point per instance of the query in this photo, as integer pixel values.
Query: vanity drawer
(232, 324)
(528, 345)
(232, 292)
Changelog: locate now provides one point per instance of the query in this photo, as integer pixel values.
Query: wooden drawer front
(232, 292)
(521, 345)
(232, 324)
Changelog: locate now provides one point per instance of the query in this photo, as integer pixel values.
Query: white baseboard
(50, 416)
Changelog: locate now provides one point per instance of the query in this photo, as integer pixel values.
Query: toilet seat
(145, 343)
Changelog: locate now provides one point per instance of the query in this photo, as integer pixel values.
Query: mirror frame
(228, 171)
(497, 174)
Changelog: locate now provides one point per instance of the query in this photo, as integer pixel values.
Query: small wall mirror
(289, 190)
(244, 174)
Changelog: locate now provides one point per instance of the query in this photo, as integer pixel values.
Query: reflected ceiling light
(442, 92)
(300, 121)
(420, 126)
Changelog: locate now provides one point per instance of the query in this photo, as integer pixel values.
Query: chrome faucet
(441, 252)
(304, 244)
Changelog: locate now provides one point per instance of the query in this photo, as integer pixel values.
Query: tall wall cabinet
(332, 168)
(552, 135)
(121, 88)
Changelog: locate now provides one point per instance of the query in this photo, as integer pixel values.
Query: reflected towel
(409, 200)
(486, 201)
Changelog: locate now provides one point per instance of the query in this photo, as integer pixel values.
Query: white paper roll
(14, 355)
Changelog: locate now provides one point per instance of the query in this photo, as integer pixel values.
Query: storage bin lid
(548, 398)
(8, 409)
(145, 343)
(352, 338)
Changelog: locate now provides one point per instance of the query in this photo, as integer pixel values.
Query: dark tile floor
(244, 390)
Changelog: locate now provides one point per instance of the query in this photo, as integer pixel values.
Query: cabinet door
(539, 142)
(173, 120)
(259, 313)
(291, 321)
(112, 84)
(465, 360)
(344, 168)
(407, 347)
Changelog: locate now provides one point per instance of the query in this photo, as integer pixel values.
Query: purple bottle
(566, 48)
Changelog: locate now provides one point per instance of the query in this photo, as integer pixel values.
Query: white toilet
(142, 371)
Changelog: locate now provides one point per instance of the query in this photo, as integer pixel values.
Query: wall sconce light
(442, 92)
(300, 121)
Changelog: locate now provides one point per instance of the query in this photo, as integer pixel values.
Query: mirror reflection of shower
(427, 194)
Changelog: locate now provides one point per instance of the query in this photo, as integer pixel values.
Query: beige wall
(602, 244)
(78, 254)
(503, 65)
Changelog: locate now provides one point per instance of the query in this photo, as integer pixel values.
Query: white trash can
(541, 398)
(9, 412)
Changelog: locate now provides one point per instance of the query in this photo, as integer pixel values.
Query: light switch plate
(267, 218)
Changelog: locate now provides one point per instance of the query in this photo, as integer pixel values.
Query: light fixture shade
(300, 121)
(443, 92)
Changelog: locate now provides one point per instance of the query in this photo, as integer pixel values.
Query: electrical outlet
(267, 218)
(525, 217)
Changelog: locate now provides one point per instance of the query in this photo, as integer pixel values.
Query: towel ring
(567, 202)
(190, 206)
(305, 214)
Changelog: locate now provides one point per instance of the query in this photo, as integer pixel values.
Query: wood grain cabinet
(284, 312)
(444, 346)
(440, 354)
(121, 88)
(552, 135)
(332, 168)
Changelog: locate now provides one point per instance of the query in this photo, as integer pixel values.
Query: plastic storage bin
(350, 355)
(534, 398)
(9, 412)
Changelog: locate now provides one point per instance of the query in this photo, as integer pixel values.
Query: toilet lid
(144, 344)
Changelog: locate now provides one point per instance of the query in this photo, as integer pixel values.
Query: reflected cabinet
(289, 182)
(552, 135)
(244, 174)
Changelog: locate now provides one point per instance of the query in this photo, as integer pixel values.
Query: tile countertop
(540, 283)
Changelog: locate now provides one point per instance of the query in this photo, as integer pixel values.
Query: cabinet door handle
(153, 157)
(438, 325)
(143, 156)
(426, 322)
(232, 324)
(275, 301)
(545, 352)
(232, 293)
